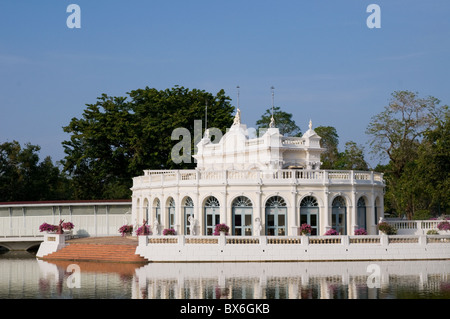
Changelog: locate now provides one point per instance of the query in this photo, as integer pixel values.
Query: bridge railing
(85, 225)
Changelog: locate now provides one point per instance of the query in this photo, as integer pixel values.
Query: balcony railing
(189, 177)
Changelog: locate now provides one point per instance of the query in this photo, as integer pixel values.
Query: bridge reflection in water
(304, 280)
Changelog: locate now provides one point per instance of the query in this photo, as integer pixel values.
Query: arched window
(309, 213)
(171, 213)
(276, 216)
(242, 216)
(361, 213)
(188, 214)
(212, 214)
(339, 215)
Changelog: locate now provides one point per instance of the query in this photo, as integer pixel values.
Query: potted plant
(143, 230)
(221, 229)
(47, 228)
(444, 225)
(387, 229)
(126, 230)
(169, 232)
(331, 232)
(360, 231)
(305, 229)
(68, 226)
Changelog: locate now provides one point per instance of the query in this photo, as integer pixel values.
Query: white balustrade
(159, 178)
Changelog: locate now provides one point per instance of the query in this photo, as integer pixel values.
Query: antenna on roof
(272, 120)
(238, 87)
(206, 115)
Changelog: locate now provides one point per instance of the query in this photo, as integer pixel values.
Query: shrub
(360, 231)
(68, 226)
(126, 229)
(47, 227)
(445, 225)
(331, 232)
(432, 232)
(387, 228)
(143, 230)
(169, 231)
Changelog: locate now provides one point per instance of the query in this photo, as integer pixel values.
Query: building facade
(267, 185)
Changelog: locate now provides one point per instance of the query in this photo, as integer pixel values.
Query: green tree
(119, 137)
(283, 121)
(23, 177)
(329, 141)
(397, 134)
(352, 158)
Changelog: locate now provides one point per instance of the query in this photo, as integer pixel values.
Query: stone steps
(97, 253)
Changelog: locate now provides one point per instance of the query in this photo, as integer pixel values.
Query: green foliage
(283, 121)
(23, 177)
(329, 141)
(413, 134)
(422, 214)
(352, 158)
(387, 228)
(119, 137)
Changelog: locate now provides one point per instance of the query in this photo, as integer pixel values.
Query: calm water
(22, 276)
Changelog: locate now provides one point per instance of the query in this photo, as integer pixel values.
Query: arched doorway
(309, 213)
(276, 216)
(242, 212)
(188, 212)
(212, 214)
(339, 215)
(171, 213)
(361, 213)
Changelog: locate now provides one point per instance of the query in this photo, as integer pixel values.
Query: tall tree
(397, 131)
(352, 158)
(330, 141)
(23, 177)
(283, 121)
(397, 134)
(118, 137)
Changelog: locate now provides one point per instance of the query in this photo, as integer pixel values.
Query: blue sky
(322, 59)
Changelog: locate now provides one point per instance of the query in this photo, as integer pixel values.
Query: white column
(353, 214)
(326, 211)
(257, 212)
(292, 216)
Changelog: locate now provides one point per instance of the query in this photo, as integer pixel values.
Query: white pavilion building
(267, 185)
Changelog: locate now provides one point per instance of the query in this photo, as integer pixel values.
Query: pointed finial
(310, 124)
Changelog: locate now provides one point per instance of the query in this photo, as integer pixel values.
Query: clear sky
(324, 62)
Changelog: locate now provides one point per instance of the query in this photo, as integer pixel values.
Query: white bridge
(20, 221)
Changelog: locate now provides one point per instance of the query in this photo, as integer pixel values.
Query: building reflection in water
(304, 280)
(308, 280)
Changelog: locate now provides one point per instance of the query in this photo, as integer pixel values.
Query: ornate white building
(267, 185)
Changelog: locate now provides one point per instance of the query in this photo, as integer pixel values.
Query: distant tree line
(117, 138)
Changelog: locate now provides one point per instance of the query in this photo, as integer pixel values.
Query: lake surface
(22, 276)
